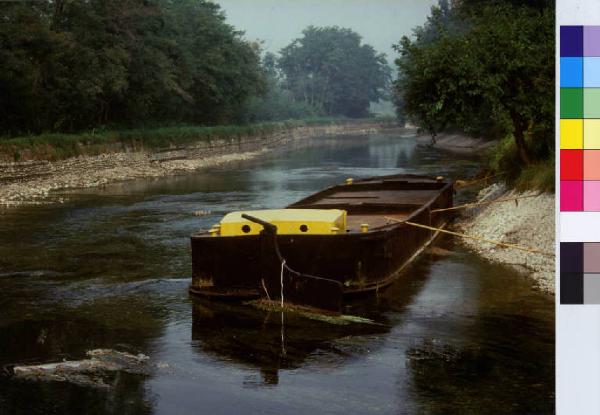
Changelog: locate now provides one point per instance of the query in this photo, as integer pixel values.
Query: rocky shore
(528, 222)
(32, 182)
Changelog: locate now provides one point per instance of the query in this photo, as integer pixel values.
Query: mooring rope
(488, 202)
(459, 184)
(262, 281)
(477, 238)
(282, 268)
(283, 351)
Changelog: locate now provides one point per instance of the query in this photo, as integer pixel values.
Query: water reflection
(66, 333)
(492, 355)
(274, 341)
(126, 396)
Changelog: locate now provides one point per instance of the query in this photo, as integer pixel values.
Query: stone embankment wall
(32, 181)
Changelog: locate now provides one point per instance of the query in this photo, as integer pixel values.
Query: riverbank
(58, 146)
(30, 182)
(528, 222)
(456, 143)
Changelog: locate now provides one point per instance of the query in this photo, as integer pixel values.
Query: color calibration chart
(578, 207)
(580, 118)
(580, 272)
(580, 157)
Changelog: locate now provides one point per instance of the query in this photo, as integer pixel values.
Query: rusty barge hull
(326, 268)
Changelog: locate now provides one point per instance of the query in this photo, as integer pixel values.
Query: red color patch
(571, 164)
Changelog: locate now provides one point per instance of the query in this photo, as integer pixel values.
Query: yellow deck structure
(288, 222)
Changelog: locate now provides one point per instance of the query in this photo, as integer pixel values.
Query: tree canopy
(70, 65)
(486, 68)
(328, 68)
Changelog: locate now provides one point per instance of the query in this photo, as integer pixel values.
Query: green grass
(504, 159)
(539, 176)
(58, 146)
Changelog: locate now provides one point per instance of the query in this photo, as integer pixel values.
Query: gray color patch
(591, 288)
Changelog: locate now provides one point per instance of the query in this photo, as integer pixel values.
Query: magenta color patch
(591, 196)
(591, 41)
(571, 196)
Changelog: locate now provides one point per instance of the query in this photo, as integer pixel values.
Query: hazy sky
(381, 23)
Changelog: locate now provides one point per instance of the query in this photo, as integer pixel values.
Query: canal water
(109, 268)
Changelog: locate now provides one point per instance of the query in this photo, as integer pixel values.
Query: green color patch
(591, 102)
(571, 103)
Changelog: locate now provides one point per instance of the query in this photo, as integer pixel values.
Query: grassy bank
(504, 160)
(61, 146)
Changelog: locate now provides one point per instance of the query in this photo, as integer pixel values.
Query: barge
(346, 240)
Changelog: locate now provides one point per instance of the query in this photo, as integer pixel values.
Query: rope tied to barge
(486, 202)
(283, 266)
(461, 184)
(477, 238)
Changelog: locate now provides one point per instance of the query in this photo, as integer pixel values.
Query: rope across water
(462, 235)
(487, 202)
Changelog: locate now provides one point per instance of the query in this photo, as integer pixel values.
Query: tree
(277, 103)
(73, 65)
(329, 68)
(489, 70)
(220, 69)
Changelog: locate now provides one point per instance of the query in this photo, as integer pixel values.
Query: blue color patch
(591, 68)
(571, 72)
(571, 41)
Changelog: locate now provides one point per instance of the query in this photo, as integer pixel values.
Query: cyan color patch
(571, 72)
(591, 70)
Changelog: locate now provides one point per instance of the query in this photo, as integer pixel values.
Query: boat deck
(379, 197)
(398, 205)
(374, 207)
(374, 221)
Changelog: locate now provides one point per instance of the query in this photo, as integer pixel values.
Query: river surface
(109, 268)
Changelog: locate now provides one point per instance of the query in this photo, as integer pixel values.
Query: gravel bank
(529, 223)
(32, 182)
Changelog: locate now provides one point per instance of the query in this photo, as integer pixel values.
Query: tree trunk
(59, 6)
(520, 126)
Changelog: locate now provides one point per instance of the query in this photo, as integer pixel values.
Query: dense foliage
(278, 103)
(486, 68)
(329, 69)
(73, 65)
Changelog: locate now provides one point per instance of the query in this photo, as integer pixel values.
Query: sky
(381, 23)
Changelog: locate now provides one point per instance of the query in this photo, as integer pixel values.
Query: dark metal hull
(345, 264)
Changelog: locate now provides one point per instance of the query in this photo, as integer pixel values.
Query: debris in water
(86, 372)
(342, 319)
(201, 213)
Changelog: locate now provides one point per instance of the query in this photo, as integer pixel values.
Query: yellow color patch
(591, 134)
(571, 134)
